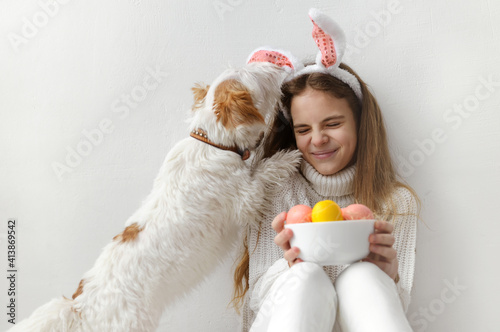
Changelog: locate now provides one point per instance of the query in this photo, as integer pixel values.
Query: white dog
(201, 199)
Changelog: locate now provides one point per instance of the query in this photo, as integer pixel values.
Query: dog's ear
(200, 91)
(233, 105)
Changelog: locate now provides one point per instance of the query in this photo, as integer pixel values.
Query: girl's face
(325, 130)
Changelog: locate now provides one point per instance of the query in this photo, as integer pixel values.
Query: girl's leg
(301, 300)
(369, 301)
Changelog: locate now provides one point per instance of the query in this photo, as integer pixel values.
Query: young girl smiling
(329, 114)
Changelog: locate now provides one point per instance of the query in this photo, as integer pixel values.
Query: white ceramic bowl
(332, 242)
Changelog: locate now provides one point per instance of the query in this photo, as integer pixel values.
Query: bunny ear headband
(331, 42)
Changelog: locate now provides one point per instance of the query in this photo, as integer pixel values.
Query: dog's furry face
(235, 108)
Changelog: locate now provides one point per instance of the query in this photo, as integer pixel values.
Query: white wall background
(69, 68)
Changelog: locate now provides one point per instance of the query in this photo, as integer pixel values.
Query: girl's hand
(382, 253)
(282, 239)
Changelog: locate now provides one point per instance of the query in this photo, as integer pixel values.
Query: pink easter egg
(357, 212)
(299, 214)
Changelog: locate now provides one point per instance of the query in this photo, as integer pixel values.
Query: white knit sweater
(308, 187)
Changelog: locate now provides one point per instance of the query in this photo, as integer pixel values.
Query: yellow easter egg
(326, 211)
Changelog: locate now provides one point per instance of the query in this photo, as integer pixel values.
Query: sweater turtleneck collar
(338, 184)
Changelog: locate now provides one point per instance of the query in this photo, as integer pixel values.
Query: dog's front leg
(262, 181)
(277, 168)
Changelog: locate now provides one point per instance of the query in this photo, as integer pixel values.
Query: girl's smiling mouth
(323, 154)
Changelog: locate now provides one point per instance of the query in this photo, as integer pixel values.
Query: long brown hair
(375, 178)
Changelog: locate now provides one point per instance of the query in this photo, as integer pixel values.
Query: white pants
(363, 299)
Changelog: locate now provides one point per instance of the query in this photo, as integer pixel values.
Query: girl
(329, 114)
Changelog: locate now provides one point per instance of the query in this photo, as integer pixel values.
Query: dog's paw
(280, 166)
(287, 157)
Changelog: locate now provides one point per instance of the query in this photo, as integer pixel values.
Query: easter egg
(298, 214)
(357, 212)
(326, 211)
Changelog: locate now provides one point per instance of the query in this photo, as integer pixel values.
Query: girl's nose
(319, 138)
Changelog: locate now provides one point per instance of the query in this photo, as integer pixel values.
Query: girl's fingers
(388, 253)
(382, 239)
(282, 240)
(383, 227)
(279, 222)
(382, 253)
(373, 257)
(298, 260)
(291, 254)
(381, 242)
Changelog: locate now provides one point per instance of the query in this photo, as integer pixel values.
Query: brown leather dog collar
(201, 135)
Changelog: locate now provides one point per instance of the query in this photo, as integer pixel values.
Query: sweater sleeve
(405, 229)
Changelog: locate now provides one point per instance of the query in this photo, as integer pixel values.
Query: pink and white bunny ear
(329, 37)
(278, 57)
(331, 42)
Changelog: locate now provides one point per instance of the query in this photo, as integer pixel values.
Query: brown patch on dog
(233, 105)
(200, 91)
(129, 234)
(79, 291)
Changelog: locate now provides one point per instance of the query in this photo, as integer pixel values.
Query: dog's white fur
(202, 198)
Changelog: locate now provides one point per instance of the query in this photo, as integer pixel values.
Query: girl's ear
(200, 91)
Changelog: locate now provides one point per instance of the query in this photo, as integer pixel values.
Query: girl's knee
(309, 272)
(307, 276)
(360, 274)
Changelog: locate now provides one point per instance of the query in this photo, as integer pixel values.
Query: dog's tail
(57, 315)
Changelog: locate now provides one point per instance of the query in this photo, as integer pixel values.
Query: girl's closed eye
(301, 130)
(333, 124)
